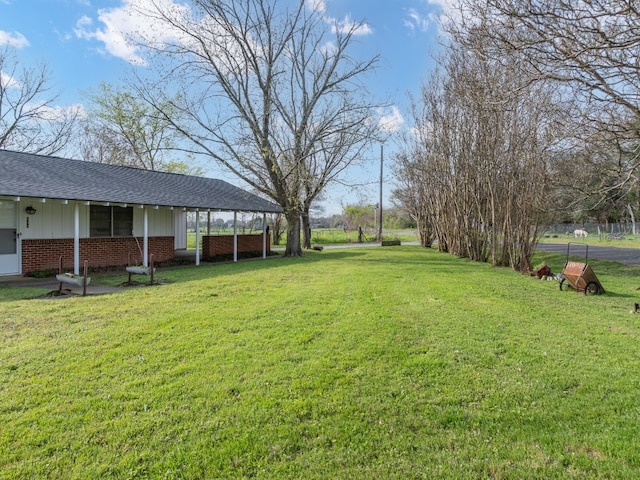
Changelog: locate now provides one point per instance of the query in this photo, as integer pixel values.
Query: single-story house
(52, 207)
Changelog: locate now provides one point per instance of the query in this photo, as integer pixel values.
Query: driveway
(626, 256)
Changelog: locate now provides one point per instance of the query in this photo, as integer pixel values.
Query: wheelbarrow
(580, 276)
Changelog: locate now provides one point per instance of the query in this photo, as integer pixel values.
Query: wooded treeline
(531, 117)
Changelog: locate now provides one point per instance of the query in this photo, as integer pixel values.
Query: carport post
(76, 239)
(264, 235)
(145, 238)
(235, 236)
(197, 237)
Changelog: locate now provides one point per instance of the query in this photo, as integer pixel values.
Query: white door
(9, 251)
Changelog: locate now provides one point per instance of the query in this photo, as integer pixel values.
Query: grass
(360, 363)
(332, 236)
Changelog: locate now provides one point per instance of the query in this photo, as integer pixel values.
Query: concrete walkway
(51, 284)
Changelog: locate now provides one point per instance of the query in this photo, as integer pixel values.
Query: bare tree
(267, 92)
(414, 193)
(588, 46)
(483, 131)
(277, 228)
(310, 203)
(596, 179)
(591, 44)
(120, 129)
(29, 119)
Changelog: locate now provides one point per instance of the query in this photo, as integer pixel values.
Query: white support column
(76, 239)
(197, 237)
(264, 235)
(145, 238)
(235, 236)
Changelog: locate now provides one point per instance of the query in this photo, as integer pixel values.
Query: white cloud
(59, 113)
(317, 5)
(341, 26)
(117, 25)
(7, 81)
(417, 21)
(329, 48)
(124, 25)
(391, 120)
(15, 39)
(433, 12)
(347, 25)
(121, 30)
(445, 5)
(448, 10)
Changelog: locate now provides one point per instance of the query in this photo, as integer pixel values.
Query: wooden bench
(141, 269)
(71, 279)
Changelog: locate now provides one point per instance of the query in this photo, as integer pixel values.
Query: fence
(599, 230)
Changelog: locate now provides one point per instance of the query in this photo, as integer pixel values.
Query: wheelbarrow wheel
(592, 288)
(562, 283)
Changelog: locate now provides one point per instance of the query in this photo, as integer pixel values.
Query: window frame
(108, 221)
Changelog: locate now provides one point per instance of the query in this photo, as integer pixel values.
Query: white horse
(580, 233)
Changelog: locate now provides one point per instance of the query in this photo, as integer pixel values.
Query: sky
(82, 43)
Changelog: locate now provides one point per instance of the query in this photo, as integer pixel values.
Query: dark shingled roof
(29, 175)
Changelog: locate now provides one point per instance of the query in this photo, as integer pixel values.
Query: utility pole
(380, 211)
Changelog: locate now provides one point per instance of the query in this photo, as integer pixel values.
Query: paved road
(626, 256)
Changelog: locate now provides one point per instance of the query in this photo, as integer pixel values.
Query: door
(9, 251)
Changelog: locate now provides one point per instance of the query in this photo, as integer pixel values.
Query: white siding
(180, 229)
(54, 219)
(160, 222)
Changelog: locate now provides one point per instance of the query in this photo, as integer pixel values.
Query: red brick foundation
(100, 252)
(216, 245)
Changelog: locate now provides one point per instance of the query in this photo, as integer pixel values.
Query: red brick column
(215, 245)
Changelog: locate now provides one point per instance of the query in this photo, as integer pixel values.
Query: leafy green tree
(121, 129)
(359, 218)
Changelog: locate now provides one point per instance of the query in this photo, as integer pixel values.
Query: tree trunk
(633, 218)
(306, 230)
(293, 248)
(277, 228)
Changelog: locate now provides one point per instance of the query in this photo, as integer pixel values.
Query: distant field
(367, 363)
(325, 236)
(616, 240)
(329, 236)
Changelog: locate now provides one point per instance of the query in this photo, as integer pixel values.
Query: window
(110, 221)
(122, 221)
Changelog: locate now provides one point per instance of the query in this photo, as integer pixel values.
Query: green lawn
(378, 363)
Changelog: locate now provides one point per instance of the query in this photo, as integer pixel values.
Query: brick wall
(100, 252)
(214, 245)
